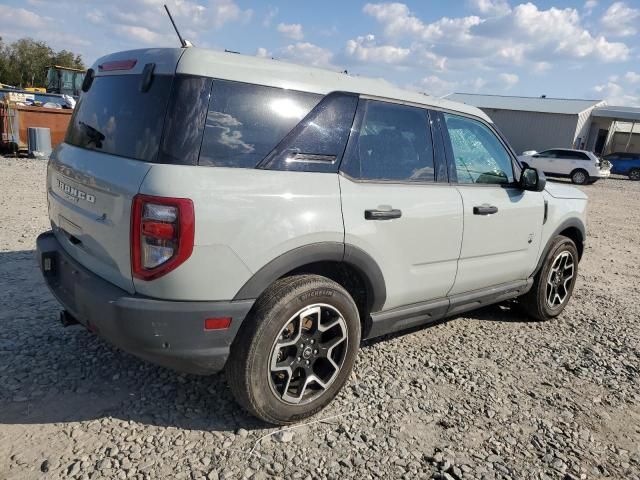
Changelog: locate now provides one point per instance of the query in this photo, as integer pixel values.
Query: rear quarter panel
(244, 219)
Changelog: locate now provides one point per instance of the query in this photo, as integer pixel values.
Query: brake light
(117, 65)
(162, 234)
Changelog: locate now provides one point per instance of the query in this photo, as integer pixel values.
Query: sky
(568, 49)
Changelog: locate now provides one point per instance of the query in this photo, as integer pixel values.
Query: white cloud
(263, 53)
(621, 20)
(439, 87)
(632, 77)
(541, 67)
(95, 16)
(589, 5)
(365, 49)
(268, 18)
(291, 30)
(145, 20)
(621, 90)
(509, 79)
(520, 35)
(436, 86)
(307, 53)
(616, 94)
(143, 35)
(20, 18)
(490, 7)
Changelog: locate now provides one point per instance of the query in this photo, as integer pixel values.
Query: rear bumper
(168, 333)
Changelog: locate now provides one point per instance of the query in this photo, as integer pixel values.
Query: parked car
(625, 164)
(214, 211)
(580, 166)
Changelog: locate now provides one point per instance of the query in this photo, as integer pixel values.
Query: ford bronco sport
(211, 211)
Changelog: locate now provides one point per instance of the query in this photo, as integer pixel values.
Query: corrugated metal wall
(582, 129)
(534, 130)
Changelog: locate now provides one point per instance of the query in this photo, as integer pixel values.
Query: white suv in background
(211, 211)
(580, 166)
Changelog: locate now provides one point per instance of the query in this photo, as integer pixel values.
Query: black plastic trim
(314, 253)
(569, 223)
(371, 273)
(165, 332)
(405, 317)
(464, 302)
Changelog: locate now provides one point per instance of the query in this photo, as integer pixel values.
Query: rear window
(245, 122)
(115, 117)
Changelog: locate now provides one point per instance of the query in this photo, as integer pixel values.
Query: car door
(502, 222)
(568, 161)
(544, 161)
(394, 206)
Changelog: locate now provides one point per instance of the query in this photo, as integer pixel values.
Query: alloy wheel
(559, 281)
(579, 178)
(308, 353)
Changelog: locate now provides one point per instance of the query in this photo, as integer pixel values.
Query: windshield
(115, 117)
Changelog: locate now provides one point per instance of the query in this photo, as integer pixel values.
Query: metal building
(537, 123)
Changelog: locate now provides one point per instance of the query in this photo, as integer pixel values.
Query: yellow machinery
(35, 89)
(64, 80)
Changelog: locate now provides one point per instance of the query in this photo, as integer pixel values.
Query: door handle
(373, 214)
(485, 210)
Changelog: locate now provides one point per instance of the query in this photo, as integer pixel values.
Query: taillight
(162, 232)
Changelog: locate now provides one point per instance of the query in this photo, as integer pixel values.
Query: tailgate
(89, 195)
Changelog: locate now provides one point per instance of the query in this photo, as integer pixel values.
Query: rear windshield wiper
(95, 136)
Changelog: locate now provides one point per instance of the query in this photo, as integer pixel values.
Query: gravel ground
(490, 395)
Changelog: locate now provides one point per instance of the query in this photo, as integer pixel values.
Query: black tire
(535, 303)
(634, 174)
(249, 368)
(579, 176)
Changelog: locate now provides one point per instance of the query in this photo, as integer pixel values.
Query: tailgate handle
(75, 240)
(72, 238)
(485, 210)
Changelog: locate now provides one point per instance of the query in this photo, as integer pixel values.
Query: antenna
(183, 42)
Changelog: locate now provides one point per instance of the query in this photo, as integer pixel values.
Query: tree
(24, 62)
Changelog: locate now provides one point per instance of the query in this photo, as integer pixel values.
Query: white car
(580, 166)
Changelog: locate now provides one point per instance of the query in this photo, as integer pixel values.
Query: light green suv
(211, 211)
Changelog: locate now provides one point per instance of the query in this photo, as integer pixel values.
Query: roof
(567, 106)
(273, 73)
(631, 114)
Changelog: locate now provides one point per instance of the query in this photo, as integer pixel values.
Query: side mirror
(532, 179)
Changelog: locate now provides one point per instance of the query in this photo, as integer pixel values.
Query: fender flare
(337, 252)
(568, 223)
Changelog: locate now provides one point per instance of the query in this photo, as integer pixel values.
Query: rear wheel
(296, 349)
(553, 285)
(579, 177)
(634, 174)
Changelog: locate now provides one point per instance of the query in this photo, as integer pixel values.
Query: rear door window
(245, 122)
(393, 143)
(318, 142)
(547, 154)
(115, 117)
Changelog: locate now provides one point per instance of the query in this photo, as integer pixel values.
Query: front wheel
(553, 285)
(579, 177)
(296, 349)
(634, 174)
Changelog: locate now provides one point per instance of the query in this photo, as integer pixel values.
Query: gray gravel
(491, 395)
